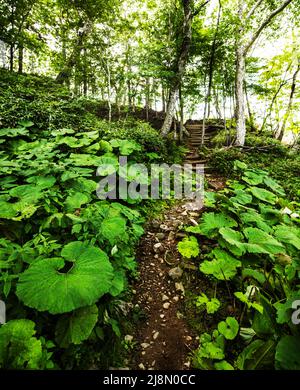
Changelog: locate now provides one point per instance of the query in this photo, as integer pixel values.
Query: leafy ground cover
(254, 237)
(65, 255)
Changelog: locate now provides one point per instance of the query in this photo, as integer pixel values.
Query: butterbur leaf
(288, 235)
(263, 240)
(126, 147)
(253, 178)
(14, 132)
(285, 309)
(212, 305)
(223, 365)
(229, 328)
(114, 229)
(188, 247)
(76, 327)
(75, 201)
(233, 238)
(268, 181)
(26, 123)
(264, 195)
(223, 267)
(107, 165)
(82, 160)
(19, 349)
(212, 222)
(240, 165)
(241, 197)
(118, 284)
(287, 355)
(79, 278)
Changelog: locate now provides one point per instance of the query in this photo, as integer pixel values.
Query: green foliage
(229, 328)
(52, 224)
(188, 247)
(257, 253)
(88, 278)
(19, 348)
(212, 305)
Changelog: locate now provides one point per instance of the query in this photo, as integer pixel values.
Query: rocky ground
(164, 339)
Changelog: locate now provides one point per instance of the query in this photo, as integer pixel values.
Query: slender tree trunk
(85, 77)
(109, 91)
(239, 96)
(250, 114)
(163, 98)
(11, 57)
(147, 100)
(268, 114)
(20, 59)
(181, 130)
(290, 105)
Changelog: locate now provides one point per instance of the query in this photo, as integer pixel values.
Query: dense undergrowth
(253, 254)
(65, 256)
(263, 152)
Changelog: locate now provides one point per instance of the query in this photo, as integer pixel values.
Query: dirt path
(164, 338)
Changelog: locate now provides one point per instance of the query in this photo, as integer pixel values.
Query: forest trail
(164, 338)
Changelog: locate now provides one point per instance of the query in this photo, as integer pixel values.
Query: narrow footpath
(164, 339)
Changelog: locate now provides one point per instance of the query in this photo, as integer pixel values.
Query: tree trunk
(11, 57)
(169, 114)
(290, 105)
(250, 114)
(20, 59)
(147, 98)
(163, 98)
(239, 96)
(181, 130)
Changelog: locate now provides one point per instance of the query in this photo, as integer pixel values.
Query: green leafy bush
(255, 234)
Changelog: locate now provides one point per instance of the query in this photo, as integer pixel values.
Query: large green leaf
(108, 164)
(251, 217)
(261, 240)
(83, 160)
(83, 284)
(75, 201)
(229, 328)
(253, 178)
(241, 197)
(126, 147)
(287, 355)
(19, 349)
(223, 267)
(264, 195)
(269, 182)
(288, 235)
(234, 238)
(188, 247)
(76, 327)
(14, 132)
(212, 222)
(114, 229)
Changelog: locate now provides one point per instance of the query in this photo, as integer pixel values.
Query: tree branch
(253, 9)
(197, 11)
(265, 23)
